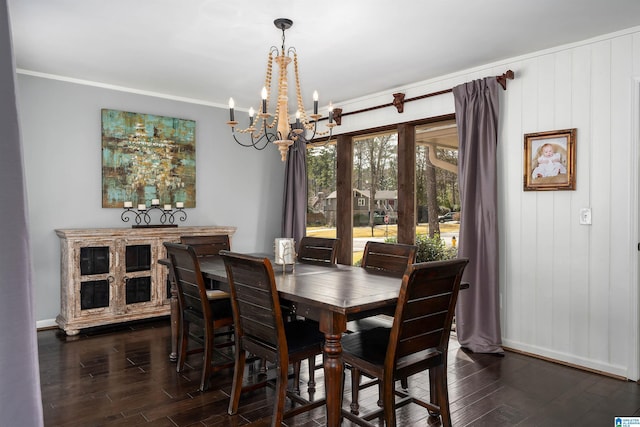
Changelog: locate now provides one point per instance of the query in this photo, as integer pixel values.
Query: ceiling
(210, 50)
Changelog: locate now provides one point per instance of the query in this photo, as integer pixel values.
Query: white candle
(142, 207)
(155, 202)
(167, 207)
(128, 204)
(179, 205)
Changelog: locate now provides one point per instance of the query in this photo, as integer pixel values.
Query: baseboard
(615, 371)
(46, 324)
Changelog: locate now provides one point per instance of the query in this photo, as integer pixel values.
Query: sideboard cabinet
(112, 275)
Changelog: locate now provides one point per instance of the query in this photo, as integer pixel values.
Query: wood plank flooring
(121, 376)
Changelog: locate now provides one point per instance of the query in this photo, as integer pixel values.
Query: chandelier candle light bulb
(231, 106)
(264, 100)
(315, 102)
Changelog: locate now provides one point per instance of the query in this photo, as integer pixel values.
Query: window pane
(437, 197)
(375, 180)
(321, 190)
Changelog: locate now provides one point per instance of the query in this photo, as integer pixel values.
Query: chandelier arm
(254, 142)
(271, 136)
(315, 128)
(263, 137)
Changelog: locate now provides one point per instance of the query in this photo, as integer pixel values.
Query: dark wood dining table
(332, 295)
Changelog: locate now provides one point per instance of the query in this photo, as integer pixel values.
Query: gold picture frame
(549, 160)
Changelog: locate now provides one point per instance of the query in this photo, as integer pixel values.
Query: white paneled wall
(568, 291)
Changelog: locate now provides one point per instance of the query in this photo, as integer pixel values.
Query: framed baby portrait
(549, 160)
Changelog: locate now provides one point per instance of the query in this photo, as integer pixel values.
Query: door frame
(633, 370)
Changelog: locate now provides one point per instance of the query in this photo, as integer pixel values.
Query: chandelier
(276, 127)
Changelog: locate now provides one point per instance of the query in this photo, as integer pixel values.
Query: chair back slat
(390, 257)
(207, 245)
(255, 303)
(421, 333)
(317, 250)
(425, 309)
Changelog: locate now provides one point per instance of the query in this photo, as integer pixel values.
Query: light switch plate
(585, 216)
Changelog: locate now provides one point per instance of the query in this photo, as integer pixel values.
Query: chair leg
(404, 383)
(236, 387)
(389, 404)
(207, 358)
(281, 394)
(433, 391)
(355, 389)
(296, 376)
(312, 374)
(183, 344)
(440, 376)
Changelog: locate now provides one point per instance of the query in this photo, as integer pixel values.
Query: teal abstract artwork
(147, 158)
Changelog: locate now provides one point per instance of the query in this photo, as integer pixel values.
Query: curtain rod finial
(503, 78)
(337, 115)
(398, 101)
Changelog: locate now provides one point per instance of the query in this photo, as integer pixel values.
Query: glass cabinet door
(138, 273)
(95, 263)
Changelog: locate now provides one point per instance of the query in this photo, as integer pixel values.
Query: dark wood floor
(122, 377)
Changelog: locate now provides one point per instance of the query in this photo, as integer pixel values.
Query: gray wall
(61, 128)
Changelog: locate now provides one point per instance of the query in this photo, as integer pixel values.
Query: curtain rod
(399, 101)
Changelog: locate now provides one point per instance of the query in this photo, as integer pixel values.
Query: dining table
(331, 295)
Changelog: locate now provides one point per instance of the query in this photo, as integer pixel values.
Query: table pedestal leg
(333, 326)
(333, 371)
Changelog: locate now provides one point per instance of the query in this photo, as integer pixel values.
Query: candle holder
(285, 253)
(142, 217)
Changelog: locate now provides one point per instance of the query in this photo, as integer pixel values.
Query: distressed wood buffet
(112, 275)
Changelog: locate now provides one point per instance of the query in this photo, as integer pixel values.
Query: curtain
(477, 311)
(20, 402)
(294, 219)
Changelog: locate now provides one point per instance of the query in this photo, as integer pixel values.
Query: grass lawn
(380, 230)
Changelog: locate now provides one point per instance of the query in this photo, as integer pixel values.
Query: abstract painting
(147, 157)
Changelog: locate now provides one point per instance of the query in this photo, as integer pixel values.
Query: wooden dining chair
(417, 341)
(389, 258)
(392, 258)
(205, 315)
(207, 245)
(318, 250)
(260, 330)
